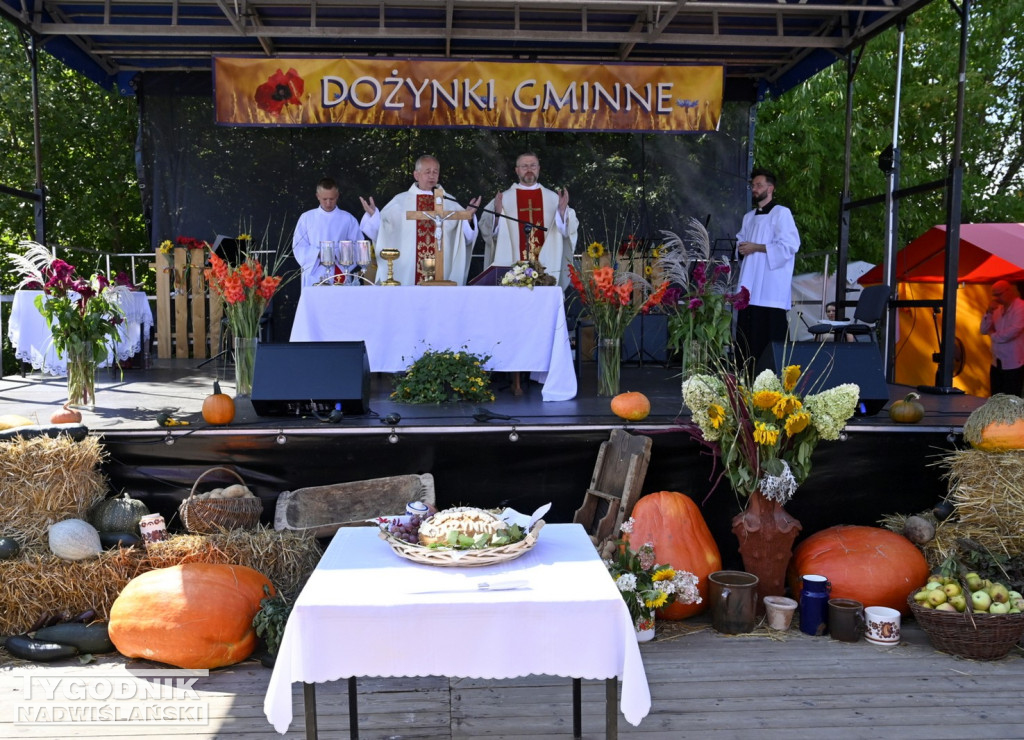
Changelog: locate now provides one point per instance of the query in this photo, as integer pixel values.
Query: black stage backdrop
(200, 179)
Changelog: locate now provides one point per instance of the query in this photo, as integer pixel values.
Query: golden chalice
(390, 255)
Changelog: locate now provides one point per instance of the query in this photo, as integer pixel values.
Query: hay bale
(46, 480)
(40, 582)
(987, 489)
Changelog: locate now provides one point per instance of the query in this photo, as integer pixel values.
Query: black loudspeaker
(828, 364)
(296, 378)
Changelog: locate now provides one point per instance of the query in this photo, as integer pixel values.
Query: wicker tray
(205, 516)
(450, 558)
(969, 634)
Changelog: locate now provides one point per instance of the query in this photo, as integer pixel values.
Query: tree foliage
(801, 133)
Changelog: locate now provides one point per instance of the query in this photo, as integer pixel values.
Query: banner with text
(448, 93)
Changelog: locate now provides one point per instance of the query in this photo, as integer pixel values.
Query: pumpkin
(672, 522)
(64, 415)
(631, 406)
(907, 411)
(194, 615)
(118, 514)
(218, 408)
(13, 421)
(874, 566)
(74, 539)
(997, 425)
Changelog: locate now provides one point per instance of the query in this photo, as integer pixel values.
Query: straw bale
(38, 581)
(987, 490)
(46, 480)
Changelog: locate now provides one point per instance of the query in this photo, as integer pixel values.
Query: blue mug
(814, 598)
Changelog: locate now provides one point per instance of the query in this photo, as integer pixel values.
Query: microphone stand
(481, 209)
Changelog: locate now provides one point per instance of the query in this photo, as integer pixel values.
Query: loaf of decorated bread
(465, 520)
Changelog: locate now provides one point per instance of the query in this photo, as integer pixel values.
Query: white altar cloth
(521, 329)
(358, 615)
(33, 343)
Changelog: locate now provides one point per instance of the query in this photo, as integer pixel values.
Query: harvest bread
(462, 519)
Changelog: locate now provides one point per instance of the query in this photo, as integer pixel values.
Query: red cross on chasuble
(426, 245)
(530, 204)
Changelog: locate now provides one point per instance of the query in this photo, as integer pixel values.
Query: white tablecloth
(521, 329)
(357, 616)
(32, 341)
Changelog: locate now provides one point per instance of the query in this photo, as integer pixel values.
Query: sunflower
(595, 250)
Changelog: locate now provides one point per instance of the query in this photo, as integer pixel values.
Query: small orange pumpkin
(218, 408)
(672, 522)
(64, 415)
(631, 406)
(195, 615)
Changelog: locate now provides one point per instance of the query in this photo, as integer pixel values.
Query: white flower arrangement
(522, 275)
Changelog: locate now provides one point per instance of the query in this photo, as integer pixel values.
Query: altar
(522, 329)
(33, 342)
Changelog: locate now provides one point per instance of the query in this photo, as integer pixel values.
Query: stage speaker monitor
(835, 364)
(294, 378)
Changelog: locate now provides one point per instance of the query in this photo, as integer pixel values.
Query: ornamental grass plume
(765, 431)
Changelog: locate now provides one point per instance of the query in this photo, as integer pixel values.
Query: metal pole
(852, 62)
(37, 143)
(892, 184)
(953, 202)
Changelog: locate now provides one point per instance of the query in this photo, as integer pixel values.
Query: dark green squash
(118, 514)
(111, 540)
(10, 548)
(87, 638)
(26, 648)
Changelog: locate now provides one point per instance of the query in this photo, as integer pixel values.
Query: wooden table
(365, 611)
(521, 329)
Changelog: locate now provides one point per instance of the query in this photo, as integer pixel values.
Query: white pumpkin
(74, 539)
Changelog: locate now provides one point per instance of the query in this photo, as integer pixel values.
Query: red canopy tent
(988, 252)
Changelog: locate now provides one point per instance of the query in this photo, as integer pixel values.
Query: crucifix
(438, 215)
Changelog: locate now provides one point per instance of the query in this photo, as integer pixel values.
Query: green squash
(9, 548)
(118, 514)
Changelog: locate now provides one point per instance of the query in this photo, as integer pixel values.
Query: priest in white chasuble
(391, 227)
(507, 242)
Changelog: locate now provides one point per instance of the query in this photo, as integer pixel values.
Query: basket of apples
(970, 617)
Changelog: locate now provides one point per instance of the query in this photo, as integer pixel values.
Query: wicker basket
(449, 558)
(969, 634)
(209, 516)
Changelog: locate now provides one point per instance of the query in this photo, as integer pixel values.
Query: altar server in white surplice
(325, 223)
(507, 242)
(391, 228)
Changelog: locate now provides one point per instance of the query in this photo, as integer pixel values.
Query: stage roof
(763, 44)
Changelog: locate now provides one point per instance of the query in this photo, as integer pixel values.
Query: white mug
(882, 625)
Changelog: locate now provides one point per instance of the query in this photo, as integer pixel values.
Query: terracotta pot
(766, 533)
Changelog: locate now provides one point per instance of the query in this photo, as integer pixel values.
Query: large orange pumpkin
(674, 525)
(196, 615)
(874, 566)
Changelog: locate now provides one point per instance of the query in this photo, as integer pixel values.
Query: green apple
(952, 589)
(1018, 604)
(932, 585)
(959, 602)
(999, 593)
(1013, 610)
(946, 607)
(974, 581)
(980, 601)
(999, 607)
(936, 596)
(1014, 595)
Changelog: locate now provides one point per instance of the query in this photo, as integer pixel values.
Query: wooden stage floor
(703, 684)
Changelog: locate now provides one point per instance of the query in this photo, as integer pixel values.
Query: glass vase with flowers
(609, 300)
(246, 289)
(84, 315)
(763, 433)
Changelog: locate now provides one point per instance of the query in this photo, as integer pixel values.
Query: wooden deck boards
(702, 684)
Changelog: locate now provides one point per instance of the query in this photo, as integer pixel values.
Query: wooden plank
(163, 308)
(181, 348)
(197, 258)
(215, 323)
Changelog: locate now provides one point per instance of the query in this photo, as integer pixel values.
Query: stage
(546, 452)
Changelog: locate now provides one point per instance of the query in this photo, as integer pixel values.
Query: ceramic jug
(732, 595)
(814, 596)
